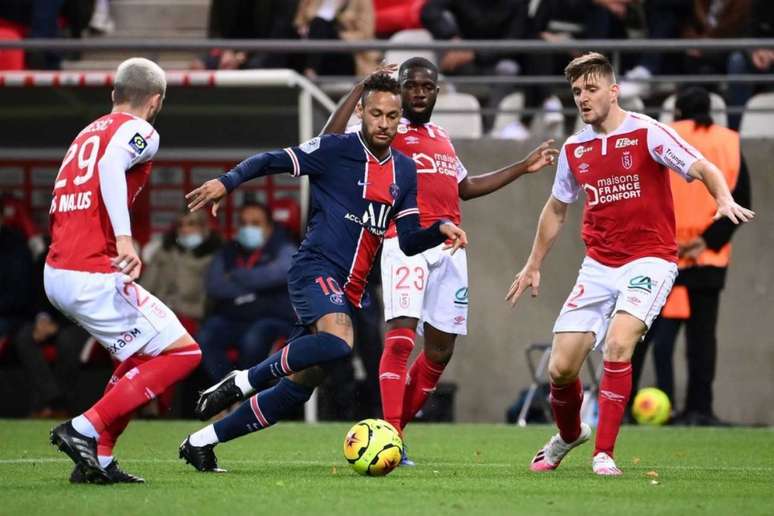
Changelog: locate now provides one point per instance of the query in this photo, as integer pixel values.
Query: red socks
(422, 379)
(142, 381)
(398, 344)
(614, 391)
(566, 404)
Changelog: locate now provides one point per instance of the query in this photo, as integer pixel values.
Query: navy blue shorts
(315, 289)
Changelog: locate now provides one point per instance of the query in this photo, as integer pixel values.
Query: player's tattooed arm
(337, 123)
(483, 184)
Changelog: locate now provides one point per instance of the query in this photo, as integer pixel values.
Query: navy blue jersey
(354, 196)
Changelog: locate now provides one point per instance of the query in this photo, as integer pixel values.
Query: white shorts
(431, 286)
(124, 317)
(639, 288)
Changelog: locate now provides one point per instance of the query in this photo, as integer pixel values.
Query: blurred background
(246, 76)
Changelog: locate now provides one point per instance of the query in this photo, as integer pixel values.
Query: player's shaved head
(588, 66)
(138, 79)
(414, 63)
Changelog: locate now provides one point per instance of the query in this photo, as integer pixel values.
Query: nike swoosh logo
(363, 183)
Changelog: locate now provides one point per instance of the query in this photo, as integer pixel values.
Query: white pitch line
(428, 464)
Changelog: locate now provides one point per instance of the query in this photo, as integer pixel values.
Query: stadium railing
(616, 48)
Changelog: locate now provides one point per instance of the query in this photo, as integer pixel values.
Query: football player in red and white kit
(92, 266)
(427, 292)
(618, 160)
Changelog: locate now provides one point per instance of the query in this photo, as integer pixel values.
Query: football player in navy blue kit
(358, 185)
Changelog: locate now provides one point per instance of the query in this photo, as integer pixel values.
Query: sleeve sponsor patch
(310, 146)
(138, 143)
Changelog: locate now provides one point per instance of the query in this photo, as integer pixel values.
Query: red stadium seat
(11, 59)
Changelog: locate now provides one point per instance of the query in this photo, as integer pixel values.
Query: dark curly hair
(379, 82)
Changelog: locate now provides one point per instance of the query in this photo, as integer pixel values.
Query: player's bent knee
(439, 354)
(562, 372)
(337, 324)
(335, 347)
(618, 349)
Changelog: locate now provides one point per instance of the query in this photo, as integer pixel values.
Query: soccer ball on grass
(373, 447)
(651, 407)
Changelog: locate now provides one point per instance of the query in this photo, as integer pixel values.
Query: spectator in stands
(176, 271)
(16, 296)
(714, 19)
(53, 384)
(17, 215)
(249, 19)
(664, 19)
(460, 20)
(396, 15)
(247, 288)
(347, 20)
(704, 250)
(41, 19)
(760, 24)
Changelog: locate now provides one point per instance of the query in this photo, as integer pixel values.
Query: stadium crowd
(463, 20)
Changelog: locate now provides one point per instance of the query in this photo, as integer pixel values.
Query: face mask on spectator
(190, 241)
(251, 237)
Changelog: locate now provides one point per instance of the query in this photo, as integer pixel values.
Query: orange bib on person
(694, 206)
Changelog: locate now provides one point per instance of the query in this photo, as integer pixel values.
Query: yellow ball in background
(651, 407)
(373, 447)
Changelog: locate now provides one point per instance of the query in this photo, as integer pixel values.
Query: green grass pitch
(462, 469)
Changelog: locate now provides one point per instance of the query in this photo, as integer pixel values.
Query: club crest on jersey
(336, 299)
(659, 150)
(402, 129)
(626, 160)
(580, 150)
(310, 146)
(138, 143)
(394, 190)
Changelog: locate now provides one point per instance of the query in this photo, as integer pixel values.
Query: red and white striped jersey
(82, 236)
(628, 212)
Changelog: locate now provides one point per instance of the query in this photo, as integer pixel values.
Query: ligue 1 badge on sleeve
(138, 143)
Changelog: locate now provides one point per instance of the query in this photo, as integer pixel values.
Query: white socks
(241, 380)
(83, 426)
(204, 437)
(105, 460)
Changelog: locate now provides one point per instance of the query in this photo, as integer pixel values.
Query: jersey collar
(363, 143)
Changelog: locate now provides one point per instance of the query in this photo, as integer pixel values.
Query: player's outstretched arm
(551, 220)
(713, 179)
(337, 123)
(263, 164)
(483, 184)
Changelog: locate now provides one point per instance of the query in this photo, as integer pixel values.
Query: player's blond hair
(136, 80)
(590, 64)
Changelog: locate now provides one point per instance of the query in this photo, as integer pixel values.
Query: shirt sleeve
(133, 143)
(566, 188)
(669, 149)
(313, 157)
